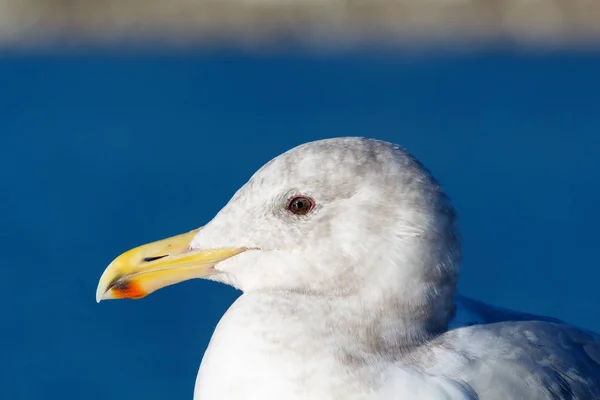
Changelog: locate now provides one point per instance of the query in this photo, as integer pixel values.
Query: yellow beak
(145, 269)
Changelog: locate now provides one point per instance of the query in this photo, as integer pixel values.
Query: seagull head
(337, 217)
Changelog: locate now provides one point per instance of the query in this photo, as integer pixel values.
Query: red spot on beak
(128, 290)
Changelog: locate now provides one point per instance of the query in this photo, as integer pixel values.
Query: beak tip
(100, 292)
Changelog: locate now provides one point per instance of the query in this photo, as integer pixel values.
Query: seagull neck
(383, 324)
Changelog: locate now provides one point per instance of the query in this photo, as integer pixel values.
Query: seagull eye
(300, 205)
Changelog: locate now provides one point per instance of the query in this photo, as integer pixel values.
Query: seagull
(347, 253)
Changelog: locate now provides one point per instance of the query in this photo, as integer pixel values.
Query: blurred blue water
(99, 154)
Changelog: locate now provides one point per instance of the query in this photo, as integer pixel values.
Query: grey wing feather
(506, 355)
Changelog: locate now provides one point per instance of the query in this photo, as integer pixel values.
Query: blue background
(101, 153)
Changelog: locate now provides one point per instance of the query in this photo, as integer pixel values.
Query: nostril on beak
(148, 259)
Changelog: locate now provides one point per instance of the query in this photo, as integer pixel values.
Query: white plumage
(356, 299)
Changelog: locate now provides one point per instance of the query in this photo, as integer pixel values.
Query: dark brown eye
(301, 205)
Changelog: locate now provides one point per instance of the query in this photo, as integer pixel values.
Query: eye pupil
(301, 205)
